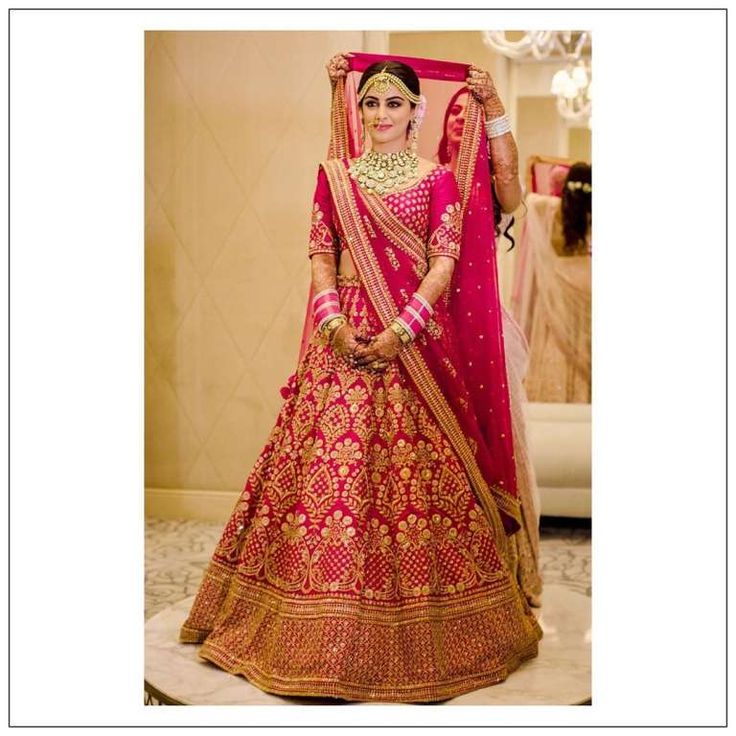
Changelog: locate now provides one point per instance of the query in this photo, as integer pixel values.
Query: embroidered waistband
(343, 280)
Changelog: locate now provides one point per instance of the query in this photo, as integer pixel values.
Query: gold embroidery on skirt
(309, 646)
(345, 280)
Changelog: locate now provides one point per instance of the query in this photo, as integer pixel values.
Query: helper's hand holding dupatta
(337, 67)
(481, 85)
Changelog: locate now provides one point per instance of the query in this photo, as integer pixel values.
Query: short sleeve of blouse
(322, 234)
(445, 219)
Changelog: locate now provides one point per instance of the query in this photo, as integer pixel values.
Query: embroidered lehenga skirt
(357, 562)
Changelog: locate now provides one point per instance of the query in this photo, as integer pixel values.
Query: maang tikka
(382, 81)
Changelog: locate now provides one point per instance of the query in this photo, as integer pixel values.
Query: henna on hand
(345, 340)
(484, 90)
(379, 352)
(338, 66)
(385, 347)
(504, 153)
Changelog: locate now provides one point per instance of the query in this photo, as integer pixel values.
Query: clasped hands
(372, 353)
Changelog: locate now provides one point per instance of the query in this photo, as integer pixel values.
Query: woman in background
(559, 232)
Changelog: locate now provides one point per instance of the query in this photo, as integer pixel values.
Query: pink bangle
(324, 296)
(325, 305)
(324, 317)
(416, 314)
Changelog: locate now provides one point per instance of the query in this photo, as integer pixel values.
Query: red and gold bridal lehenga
(368, 556)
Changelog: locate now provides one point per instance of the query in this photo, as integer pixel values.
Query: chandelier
(540, 45)
(570, 85)
(573, 88)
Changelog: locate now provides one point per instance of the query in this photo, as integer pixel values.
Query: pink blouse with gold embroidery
(430, 208)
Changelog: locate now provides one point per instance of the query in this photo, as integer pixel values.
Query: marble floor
(177, 553)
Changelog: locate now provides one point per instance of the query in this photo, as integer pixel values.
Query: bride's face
(386, 115)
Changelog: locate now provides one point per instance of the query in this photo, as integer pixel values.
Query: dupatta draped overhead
(464, 386)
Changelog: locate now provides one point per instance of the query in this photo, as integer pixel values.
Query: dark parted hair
(576, 206)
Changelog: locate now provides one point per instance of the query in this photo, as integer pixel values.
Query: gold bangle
(334, 318)
(402, 334)
(335, 330)
(334, 324)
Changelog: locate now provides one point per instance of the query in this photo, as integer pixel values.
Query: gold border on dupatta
(468, 153)
(338, 147)
(380, 296)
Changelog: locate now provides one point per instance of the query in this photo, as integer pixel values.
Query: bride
(368, 556)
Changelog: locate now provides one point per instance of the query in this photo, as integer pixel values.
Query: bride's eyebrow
(395, 97)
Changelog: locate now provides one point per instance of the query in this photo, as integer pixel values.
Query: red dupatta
(461, 377)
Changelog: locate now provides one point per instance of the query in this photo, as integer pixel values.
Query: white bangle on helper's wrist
(498, 126)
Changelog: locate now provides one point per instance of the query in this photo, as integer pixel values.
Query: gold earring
(413, 135)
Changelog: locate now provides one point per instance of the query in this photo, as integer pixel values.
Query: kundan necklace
(383, 173)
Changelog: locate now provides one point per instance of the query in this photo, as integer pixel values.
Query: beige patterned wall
(235, 124)
(579, 144)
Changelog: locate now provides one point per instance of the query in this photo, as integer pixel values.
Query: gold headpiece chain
(382, 80)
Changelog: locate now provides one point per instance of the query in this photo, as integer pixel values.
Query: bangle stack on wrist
(498, 126)
(325, 305)
(413, 319)
(327, 314)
